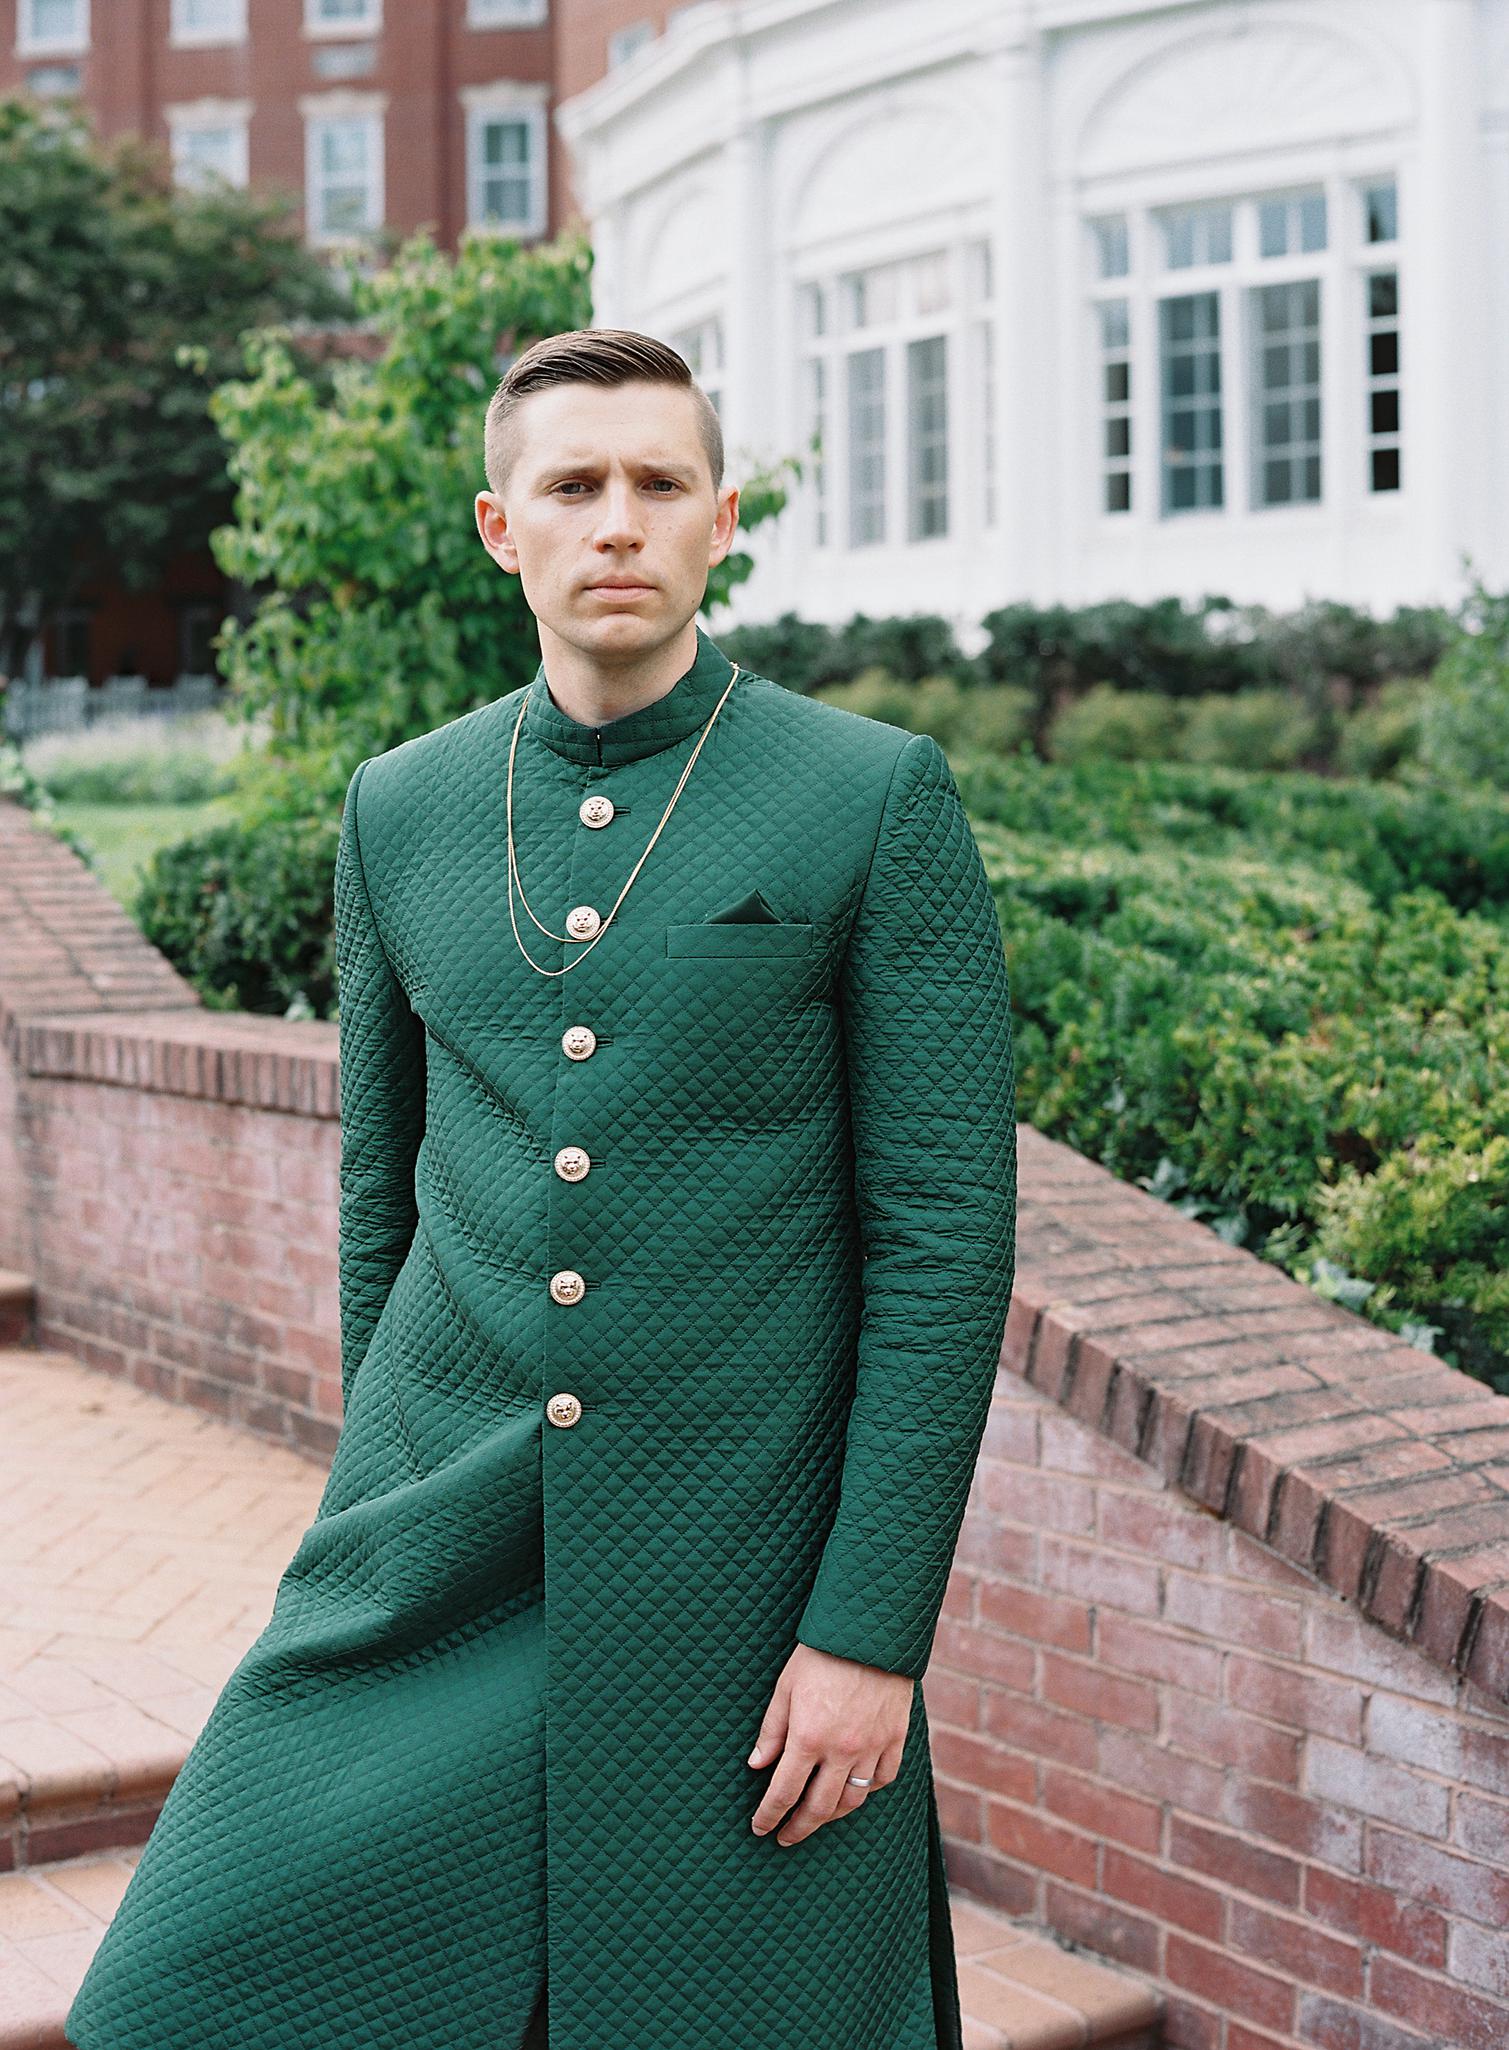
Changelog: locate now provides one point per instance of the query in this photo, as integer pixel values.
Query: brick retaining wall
(1221, 1688)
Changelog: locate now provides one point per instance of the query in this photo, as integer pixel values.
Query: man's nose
(618, 513)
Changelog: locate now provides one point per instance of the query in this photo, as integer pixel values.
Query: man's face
(610, 485)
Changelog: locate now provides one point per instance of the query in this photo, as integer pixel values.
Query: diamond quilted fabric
(496, 1727)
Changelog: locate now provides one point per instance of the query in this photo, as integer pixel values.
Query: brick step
(18, 1307)
(51, 1918)
(1019, 1990)
(139, 1551)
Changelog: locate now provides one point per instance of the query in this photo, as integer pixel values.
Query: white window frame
(1111, 354)
(367, 24)
(508, 100)
(1341, 267)
(704, 346)
(943, 292)
(507, 13)
(318, 111)
(194, 117)
(185, 35)
(30, 43)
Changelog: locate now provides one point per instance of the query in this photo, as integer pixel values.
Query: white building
(1092, 298)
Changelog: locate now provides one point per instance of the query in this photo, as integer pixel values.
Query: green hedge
(1283, 1004)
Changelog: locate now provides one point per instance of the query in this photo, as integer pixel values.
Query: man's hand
(840, 1717)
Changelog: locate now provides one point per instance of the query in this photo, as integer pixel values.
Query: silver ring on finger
(856, 1781)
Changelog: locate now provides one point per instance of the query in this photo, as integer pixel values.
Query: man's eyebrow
(590, 460)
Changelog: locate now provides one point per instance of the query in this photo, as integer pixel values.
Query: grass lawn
(124, 837)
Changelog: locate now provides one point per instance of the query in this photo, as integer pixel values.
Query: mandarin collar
(678, 712)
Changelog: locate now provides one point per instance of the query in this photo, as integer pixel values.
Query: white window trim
(958, 323)
(337, 31)
(526, 14)
(1339, 267)
(183, 36)
(29, 44)
(518, 100)
(190, 115)
(343, 106)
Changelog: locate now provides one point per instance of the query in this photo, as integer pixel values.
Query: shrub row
(1281, 1004)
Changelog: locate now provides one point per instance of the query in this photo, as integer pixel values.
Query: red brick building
(368, 113)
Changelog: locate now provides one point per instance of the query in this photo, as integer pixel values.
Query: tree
(109, 460)
(381, 615)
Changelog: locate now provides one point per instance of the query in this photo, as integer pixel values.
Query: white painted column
(753, 396)
(1026, 491)
(1444, 287)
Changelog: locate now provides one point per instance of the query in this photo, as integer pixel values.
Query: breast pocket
(743, 1000)
(732, 940)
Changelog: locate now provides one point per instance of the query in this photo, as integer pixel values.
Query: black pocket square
(750, 910)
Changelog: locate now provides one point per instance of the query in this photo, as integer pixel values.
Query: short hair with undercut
(590, 355)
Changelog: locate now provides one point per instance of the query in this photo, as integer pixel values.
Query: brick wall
(1221, 1687)
(168, 1174)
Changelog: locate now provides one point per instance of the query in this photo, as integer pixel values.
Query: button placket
(594, 864)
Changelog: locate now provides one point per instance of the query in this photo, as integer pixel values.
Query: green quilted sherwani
(672, 1292)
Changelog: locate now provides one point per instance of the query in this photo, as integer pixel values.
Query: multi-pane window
(47, 26)
(1382, 324)
(927, 437)
(818, 372)
(816, 369)
(506, 13)
(1189, 339)
(1116, 404)
(1112, 251)
(1239, 296)
(701, 346)
(203, 151)
(903, 402)
(336, 17)
(1381, 211)
(866, 422)
(1285, 369)
(981, 285)
(507, 167)
(208, 21)
(344, 195)
(1196, 235)
(1292, 225)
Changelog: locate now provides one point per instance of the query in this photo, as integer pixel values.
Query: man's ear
(729, 509)
(496, 539)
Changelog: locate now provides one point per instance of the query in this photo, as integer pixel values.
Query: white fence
(67, 704)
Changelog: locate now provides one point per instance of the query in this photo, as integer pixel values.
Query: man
(677, 1235)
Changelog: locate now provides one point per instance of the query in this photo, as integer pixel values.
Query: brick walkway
(141, 1547)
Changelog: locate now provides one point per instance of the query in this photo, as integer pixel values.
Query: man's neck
(595, 693)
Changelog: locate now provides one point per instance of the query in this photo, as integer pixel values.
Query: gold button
(563, 1409)
(596, 810)
(567, 1286)
(571, 1163)
(579, 1041)
(582, 921)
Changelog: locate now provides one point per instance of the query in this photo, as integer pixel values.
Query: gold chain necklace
(513, 864)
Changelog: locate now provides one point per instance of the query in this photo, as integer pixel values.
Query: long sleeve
(382, 1084)
(932, 1094)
